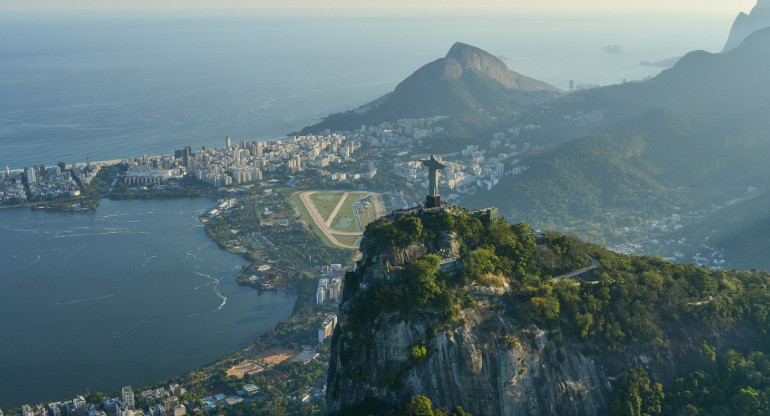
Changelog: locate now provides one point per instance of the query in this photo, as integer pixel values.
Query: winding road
(594, 264)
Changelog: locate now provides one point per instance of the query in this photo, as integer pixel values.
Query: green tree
(421, 278)
(546, 307)
(637, 395)
(478, 263)
(408, 230)
(418, 352)
(419, 406)
(470, 232)
(436, 223)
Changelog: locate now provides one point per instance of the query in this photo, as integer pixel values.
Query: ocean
(110, 85)
(136, 293)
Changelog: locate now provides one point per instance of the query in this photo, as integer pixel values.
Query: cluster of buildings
(85, 174)
(654, 236)
(215, 400)
(116, 406)
(330, 284)
(76, 407)
(472, 168)
(142, 174)
(268, 277)
(329, 291)
(12, 187)
(45, 182)
(248, 160)
(709, 256)
(401, 134)
(580, 118)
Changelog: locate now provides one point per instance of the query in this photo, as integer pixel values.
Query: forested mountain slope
(500, 331)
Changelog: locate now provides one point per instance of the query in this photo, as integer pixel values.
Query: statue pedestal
(432, 201)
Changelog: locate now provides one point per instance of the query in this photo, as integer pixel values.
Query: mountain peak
(746, 24)
(463, 58)
(460, 51)
(468, 81)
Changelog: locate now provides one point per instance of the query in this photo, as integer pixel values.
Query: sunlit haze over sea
(114, 85)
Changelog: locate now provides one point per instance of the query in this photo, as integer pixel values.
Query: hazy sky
(407, 7)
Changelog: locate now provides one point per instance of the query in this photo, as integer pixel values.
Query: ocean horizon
(111, 85)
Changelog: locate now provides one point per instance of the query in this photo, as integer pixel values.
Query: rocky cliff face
(463, 58)
(490, 364)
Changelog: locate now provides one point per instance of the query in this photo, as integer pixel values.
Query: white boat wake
(215, 282)
(71, 302)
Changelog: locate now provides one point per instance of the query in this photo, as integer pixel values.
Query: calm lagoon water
(131, 295)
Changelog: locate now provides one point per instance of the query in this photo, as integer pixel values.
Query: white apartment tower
(128, 396)
(123, 410)
(79, 404)
(31, 175)
(54, 409)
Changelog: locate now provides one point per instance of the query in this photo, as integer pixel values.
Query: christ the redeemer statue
(433, 200)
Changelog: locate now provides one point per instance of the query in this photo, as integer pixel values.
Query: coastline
(57, 205)
(80, 164)
(303, 290)
(256, 220)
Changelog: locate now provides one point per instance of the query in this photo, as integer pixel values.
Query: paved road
(707, 301)
(336, 209)
(594, 264)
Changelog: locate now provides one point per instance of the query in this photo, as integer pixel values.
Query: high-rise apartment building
(79, 404)
(128, 396)
(31, 175)
(54, 409)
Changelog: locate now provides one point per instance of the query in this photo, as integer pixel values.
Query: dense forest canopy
(620, 303)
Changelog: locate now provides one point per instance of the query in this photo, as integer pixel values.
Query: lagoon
(131, 295)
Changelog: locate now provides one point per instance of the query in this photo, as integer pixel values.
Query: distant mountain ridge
(468, 81)
(698, 131)
(746, 24)
(733, 82)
